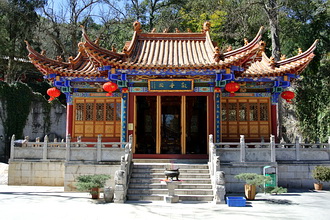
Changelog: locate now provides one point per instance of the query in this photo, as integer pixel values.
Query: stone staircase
(145, 183)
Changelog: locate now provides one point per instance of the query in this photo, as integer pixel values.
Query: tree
(17, 22)
(62, 26)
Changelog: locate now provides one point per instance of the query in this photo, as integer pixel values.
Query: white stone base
(171, 199)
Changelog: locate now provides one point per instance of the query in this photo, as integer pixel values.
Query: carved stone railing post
(242, 147)
(44, 148)
(272, 149)
(122, 176)
(211, 146)
(68, 147)
(12, 147)
(297, 145)
(220, 188)
(99, 148)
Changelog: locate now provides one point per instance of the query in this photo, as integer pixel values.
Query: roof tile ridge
(94, 46)
(249, 46)
(306, 53)
(43, 58)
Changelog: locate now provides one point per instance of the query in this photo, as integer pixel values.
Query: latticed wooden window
(245, 116)
(80, 112)
(94, 116)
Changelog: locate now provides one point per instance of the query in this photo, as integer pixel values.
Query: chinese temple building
(171, 90)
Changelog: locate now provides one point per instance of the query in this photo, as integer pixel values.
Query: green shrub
(87, 182)
(253, 178)
(321, 174)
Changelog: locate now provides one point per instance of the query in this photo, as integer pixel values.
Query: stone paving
(38, 202)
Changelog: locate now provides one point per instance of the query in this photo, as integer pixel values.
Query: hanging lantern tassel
(110, 87)
(53, 93)
(232, 87)
(288, 96)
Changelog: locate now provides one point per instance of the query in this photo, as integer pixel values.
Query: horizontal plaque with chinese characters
(171, 85)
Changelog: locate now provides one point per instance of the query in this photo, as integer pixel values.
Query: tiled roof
(171, 51)
(81, 65)
(163, 51)
(268, 67)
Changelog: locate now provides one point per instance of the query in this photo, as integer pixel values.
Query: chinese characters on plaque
(171, 85)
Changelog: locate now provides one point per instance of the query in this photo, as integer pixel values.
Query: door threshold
(170, 156)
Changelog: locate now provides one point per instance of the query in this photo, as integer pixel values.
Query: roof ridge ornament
(246, 41)
(206, 26)
(217, 55)
(137, 26)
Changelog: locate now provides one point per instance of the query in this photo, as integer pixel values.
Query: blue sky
(60, 8)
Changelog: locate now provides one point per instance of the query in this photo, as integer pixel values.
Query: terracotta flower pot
(318, 186)
(250, 191)
(95, 192)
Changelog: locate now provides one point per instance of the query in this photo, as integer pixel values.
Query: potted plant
(320, 174)
(252, 180)
(92, 184)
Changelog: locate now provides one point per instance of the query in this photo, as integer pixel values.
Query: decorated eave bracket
(280, 85)
(114, 75)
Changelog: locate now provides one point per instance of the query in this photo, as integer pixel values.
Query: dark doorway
(170, 125)
(196, 125)
(146, 124)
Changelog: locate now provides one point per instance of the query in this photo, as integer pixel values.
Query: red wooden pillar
(274, 125)
(69, 118)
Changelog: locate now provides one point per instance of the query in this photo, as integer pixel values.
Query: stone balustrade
(271, 151)
(66, 150)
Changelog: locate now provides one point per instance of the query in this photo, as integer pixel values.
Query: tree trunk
(271, 10)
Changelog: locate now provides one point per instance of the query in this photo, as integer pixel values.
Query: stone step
(144, 170)
(158, 180)
(177, 191)
(139, 197)
(145, 182)
(161, 175)
(169, 166)
(171, 161)
(162, 186)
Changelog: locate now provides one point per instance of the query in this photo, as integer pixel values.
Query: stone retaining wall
(59, 173)
(36, 173)
(290, 175)
(72, 170)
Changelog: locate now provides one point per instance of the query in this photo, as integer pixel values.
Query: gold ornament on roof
(70, 59)
(137, 26)
(59, 59)
(43, 53)
(177, 30)
(81, 47)
(283, 57)
(246, 42)
(229, 48)
(153, 30)
(262, 46)
(97, 41)
(299, 51)
(189, 30)
(217, 54)
(165, 30)
(114, 48)
(272, 62)
(206, 26)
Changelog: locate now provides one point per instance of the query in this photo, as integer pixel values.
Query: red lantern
(110, 87)
(124, 90)
(53, 93)
(287, 95)
(232, 87)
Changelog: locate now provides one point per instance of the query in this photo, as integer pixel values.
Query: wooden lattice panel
(97, 116)
(245, 116)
